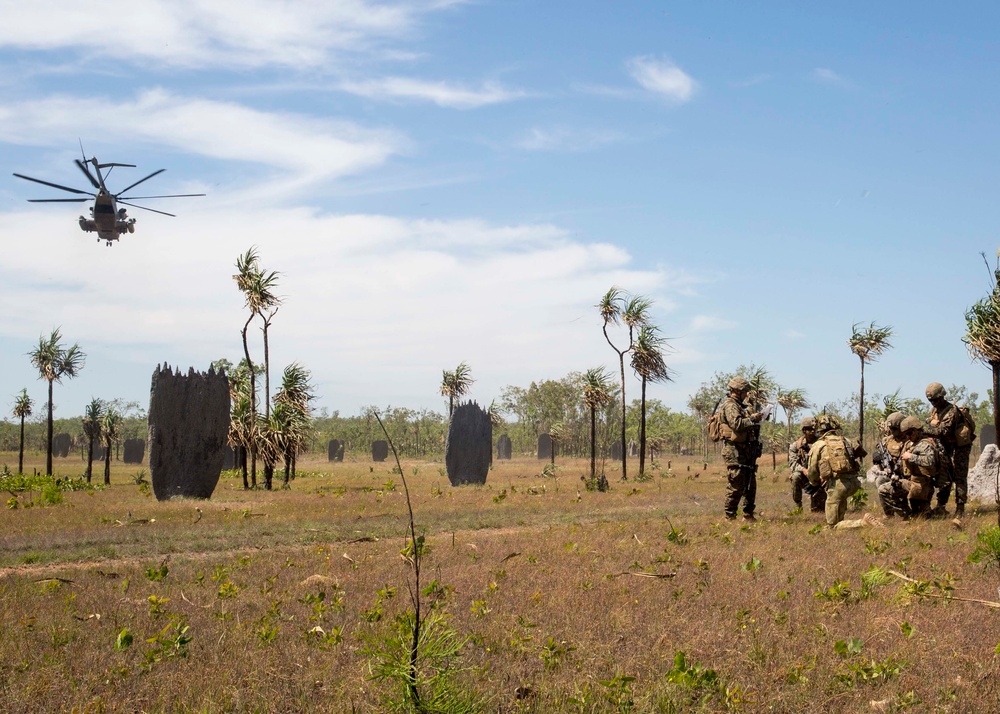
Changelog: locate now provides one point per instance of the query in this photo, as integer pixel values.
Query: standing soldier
(949, 425)
(798, 462)
(924, 465)
(834, 466)
(741, 449)
(892, 493)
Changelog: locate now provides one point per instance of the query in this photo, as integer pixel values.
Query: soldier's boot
(959, 510)
(730, 516)
(749, 517)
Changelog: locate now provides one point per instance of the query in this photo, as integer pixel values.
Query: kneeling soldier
(798, 462)
(923, 464)
(834, 466)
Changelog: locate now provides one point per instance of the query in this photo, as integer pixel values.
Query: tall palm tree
(111, 428)
(597, 394)
(455, 384)
(53, 362)
(868, 343)
(257, 287)
(617, 308)
(93, 414)
(791, 400)
(648, 363)
(241, 422)
(22, 410)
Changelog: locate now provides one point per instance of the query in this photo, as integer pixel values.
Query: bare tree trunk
(48, 444)
(253, 406)
(996, 425)
(642, 430)
(20, 451)
(861, 407)
(621, 362)
(90, 458)
(593, 443)
(107, 462)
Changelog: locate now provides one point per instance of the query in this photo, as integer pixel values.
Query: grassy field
(642, 599)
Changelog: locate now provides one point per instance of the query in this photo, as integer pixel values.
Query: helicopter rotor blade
(104, 166)
(169, 195)
(86, 171)
(133, 205)
(58, 200)
(55, 185)
(124, 190)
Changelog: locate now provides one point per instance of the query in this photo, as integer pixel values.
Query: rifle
(884, 460)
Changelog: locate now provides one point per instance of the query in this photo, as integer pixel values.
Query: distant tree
(111, 425)
(292, 404)
(53, 362)
(22, 409)
(455, 384)
(619, 308)
(597, 394)
(868, 343)
(93, 415)
(649, 364)
(791, 401)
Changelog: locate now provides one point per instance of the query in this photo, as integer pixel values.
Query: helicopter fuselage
(107, 220)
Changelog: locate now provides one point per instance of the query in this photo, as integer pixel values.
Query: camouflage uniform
(943, 425)
(893, 495)
(798, 462)
(838, 487)
(740, 455)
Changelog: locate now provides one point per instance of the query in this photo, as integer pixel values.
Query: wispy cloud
(662, 77)
(710, 323)
(230, 33)
(753, 81)
(306, 147)
(440, 93)
(828, 76)
(566, 139)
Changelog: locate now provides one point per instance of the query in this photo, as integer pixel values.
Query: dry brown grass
(548, 581)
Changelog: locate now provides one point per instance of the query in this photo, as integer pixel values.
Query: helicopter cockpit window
(104, 208)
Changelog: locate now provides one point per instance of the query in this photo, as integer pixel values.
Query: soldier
(948, 425)
(892, 494)
(923, 464)
(834, 466)
(798, 462)
(741, 449)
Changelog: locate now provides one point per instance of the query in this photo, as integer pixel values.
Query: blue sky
(446, 181)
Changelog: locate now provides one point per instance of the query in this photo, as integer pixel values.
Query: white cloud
(567, 139)
(440, 93)
(710, 323)
(194, 33)
(828, 76)
(306, 147)
(662, 77)
(376, 306)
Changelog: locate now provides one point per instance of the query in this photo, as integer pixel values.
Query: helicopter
(107, 219)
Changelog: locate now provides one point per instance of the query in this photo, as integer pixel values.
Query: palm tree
(455, 384)
(241, 423)
(111, 426)
(868, 343)
(22, 409)
(648, 363)
(982, 338)
(257, 288)
(53, 362)
(597, 394)
(791, 401)
(93, 414)
(294, 413)
(616, 308)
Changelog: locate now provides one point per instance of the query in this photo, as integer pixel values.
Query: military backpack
(837, 459)
(718, 429)
(965, 426)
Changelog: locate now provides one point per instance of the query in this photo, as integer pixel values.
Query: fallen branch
(988, 603)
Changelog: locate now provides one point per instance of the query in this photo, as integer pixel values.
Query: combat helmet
(808, 423)
(910, 423)
(738, 384)
(934, 391)
(893, 421)
(826, 422)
